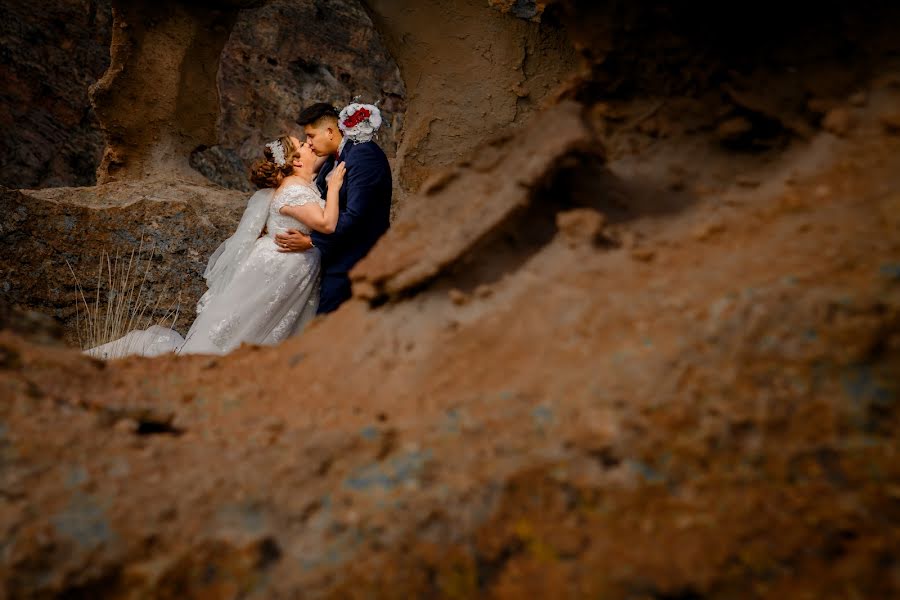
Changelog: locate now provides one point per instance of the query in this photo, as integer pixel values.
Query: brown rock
(821, 106)
(859, 99)
(488, 87)
(483, 291)
(838, 121)
(629, 238)
(35, 326)
(45, 231)
(139, 97)
(580, 226)
(493, 205)
(708, 230)
(458, 297)
(733, 129)
(822, 191)
(643, 253)
(364, 290)
(745, 180)
(891, 123)
(603, 431)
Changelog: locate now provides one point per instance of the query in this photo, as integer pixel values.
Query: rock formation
(50, 57)
(186, 218)
(44, 233)
(471, 73)
(644, 345)
(286, 55)
(306, 50)
(158, 101)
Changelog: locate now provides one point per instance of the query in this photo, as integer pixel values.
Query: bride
(256, 292)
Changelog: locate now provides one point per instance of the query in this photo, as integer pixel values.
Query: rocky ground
(700, 404)
(643, 345)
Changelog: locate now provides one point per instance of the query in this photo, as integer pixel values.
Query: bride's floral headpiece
(359, 122)
(277, 149)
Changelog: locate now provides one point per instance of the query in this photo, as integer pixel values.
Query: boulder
(45, 232)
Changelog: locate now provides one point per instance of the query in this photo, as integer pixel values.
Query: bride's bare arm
(313, 216)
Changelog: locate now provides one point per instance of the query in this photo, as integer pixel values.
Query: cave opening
(288, 54)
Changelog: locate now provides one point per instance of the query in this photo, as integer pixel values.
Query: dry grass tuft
(121, 303)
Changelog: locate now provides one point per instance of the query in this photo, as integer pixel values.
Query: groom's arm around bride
(365, 199)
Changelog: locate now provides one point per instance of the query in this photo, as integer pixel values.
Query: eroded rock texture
(703, 405)
(278, 58)
(44, 232)
(51, 54)
(471, 72)
(158, 101)
(285, 56)
(644, 345)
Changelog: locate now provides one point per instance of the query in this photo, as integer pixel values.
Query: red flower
(356, 118)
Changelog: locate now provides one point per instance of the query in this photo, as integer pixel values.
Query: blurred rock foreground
(634, 333)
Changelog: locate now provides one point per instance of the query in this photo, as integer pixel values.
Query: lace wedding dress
(256, 293)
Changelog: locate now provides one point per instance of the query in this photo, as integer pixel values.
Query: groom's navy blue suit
(365, 211)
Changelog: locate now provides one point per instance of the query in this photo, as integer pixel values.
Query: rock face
(157, 102)
(504, 218)
(471, 71)
(285, 56)
(45, 231)
(50, 57)
(664, 71)
(277, 59)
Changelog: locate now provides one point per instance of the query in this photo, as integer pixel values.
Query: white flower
(366, 129)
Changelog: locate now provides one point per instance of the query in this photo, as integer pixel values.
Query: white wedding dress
(255, 293)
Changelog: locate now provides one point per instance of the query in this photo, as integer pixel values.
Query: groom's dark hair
(311, 114)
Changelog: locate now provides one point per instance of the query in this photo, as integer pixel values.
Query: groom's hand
(293, 241)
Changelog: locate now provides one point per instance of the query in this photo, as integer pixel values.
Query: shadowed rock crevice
(158, 100)
(759, 78)
(486, 209)
(530, 226)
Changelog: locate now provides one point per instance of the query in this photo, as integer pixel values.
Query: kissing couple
(322, 205)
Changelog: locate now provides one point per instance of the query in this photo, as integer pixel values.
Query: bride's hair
(265, 173)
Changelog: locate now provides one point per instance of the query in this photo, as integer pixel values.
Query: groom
(365, 203)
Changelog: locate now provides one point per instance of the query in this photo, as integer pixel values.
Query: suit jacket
(365, 208)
